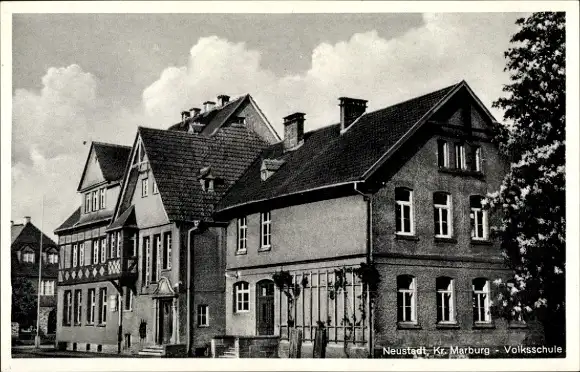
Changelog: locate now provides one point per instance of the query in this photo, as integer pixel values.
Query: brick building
(400, 187)
(159, 253)
(25, 260)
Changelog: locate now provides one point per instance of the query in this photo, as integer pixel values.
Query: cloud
(50, 125)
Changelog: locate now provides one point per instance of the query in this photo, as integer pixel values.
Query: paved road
(51, 352)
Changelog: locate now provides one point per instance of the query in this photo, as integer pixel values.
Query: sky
(79, 78)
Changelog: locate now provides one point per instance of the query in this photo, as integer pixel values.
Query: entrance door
(165, 321)
(265, 307)
(51, 326)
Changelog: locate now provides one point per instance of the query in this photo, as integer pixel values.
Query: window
(103, 250)
(95, 200)
(47, 288)
(144, 187)
(52, 257)
(113, 246)
(460, 156)
(242, 234)
(147, 249)
(87, 202)
(167, 250)
(75, 252)
(103, 306)
(82, 254)
(67, 308)
(443, 154)
(91, 306)
(406, 299)
(476, 164)
(119, 244)
(202, 315)
(103, 193)
(128, 299)
(445, 300)
(130, 248)
(404, 211)
(155, 189)
(266, 229)
(242, 297)
(28, 255)
(481, 302)
(155, 259)
(78, 306)
(442, 214)
(95, 251)
(478, 217)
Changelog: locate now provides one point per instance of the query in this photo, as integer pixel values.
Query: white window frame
(158, 246)
(113, 245)
(450, 306)
(52, 258)
(119, 240)
(144, 187)
(412, 290)
(460, 156)
(478, 216)
(75, 252)
(96, 245)
(155, 189)
(477, 159)
(438, 210)
(402, 204)
(68, 307)
(92, 294)
(88, 202)
(102, 193)
(103, 307)
(28, 255)
(103, 249)
(95, 195)
(265, 230)
(242, 297)
(147, 249)
(78, 306)
(242, 234)
(167, 246)
(202, 315)
(445, 154)
(81, 247)
(481, 300)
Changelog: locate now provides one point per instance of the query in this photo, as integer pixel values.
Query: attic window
(28, 255)
(207, 184)
(269, 167)
(239, 121)
(207, 179)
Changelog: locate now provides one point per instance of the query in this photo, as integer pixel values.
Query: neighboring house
(89, 268)
(167, 250)
(399, 187)
(25, 260)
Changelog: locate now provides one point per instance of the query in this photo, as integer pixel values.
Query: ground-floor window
(202, 315)
(241, 297)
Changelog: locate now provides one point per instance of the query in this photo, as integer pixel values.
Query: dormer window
(207, 184)
(28, 255)
(52, 257)
(207, 179)
(269, 167)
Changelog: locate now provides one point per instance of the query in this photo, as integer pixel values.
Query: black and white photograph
(218, 181)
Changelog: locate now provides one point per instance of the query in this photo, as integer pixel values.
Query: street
(48, 351)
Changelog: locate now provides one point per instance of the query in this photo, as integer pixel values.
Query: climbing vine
(285, 282)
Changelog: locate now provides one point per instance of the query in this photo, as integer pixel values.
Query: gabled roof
(112, 160)
(176, 157)
(28, 234)
(329, 158)
(70, 221)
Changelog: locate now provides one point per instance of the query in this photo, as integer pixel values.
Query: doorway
(265, 307)
(51, 323)
(165, 321)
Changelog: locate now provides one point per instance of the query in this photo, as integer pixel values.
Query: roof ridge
(110, 144)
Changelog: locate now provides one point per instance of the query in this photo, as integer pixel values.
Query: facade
(26, 257)
(399, 188)
(164, 261)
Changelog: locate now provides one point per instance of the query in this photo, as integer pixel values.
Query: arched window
(442, 214)
(404, 211)
(478, 217)
(406, 299)
(481, 301)
(445, 300)
(241, 297)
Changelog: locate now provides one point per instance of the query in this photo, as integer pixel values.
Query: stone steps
(153, 350)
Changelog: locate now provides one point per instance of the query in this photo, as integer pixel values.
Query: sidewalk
(48, 351)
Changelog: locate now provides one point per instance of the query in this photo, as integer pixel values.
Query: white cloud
(50, 125)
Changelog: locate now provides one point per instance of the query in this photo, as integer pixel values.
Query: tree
(24, 302)
(531, 199)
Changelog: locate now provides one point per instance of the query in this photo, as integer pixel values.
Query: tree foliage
(531, 199)
(24, 302)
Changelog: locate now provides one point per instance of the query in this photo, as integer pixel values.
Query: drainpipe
(190, 246)
(369, 199)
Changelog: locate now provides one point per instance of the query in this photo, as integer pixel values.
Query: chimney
(184, 116)
(208, 106)
(11, 223)
(27, 219)
(293, 131)
(350, 110)
(194, 111)
(223, 100)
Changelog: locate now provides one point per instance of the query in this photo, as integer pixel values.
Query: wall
(254, 122)
(149, 210)
(328, 228)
